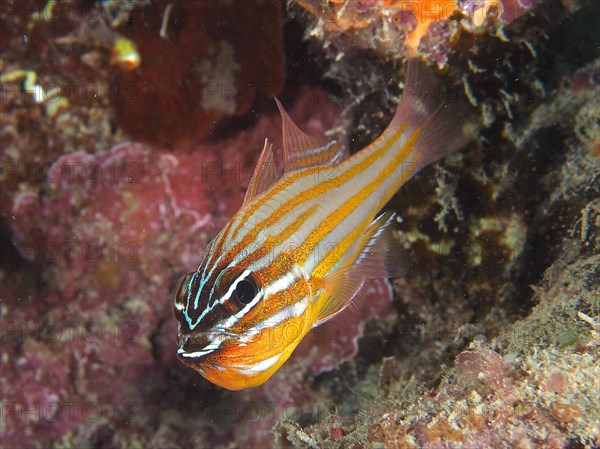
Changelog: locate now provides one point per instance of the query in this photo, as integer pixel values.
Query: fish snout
(194, 347)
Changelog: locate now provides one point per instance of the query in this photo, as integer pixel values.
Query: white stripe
(292, 311)
(280, 284)
(199, 290)
(302, 186)
(273, 203)
(231, 320)
(192, 355)
(207, 350)
(357, 216)
(261, 366)
(257, 243)
(208, 308)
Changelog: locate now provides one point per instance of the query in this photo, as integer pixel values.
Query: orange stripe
(222, 238)
(318, 158)
(330, 222)
(260, 201)
(270, 242)
(265, 310)
(334, 255)
(318, 190)
(290, 229)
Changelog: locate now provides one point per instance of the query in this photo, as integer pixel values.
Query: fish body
(301, 246)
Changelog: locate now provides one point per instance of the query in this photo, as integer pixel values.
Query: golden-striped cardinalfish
(300, 248)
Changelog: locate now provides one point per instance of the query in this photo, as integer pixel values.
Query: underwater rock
(199, 64)
(83, 76)
(399, 28)
(54, 89)
(492, 340)
(496, 341)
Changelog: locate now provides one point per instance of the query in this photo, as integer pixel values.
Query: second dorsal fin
(301, 150)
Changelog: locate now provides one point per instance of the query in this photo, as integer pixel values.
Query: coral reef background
(128, 133)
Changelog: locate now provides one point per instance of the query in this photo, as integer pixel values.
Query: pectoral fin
(379, 256)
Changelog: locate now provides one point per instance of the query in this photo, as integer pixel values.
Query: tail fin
(446, 125)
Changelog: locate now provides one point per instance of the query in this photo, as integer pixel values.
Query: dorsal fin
(265, 173)
(301, 150)
(379, 256)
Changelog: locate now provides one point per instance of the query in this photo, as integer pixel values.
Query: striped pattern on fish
(300, 248)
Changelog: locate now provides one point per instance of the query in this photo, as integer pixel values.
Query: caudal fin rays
(440, 116)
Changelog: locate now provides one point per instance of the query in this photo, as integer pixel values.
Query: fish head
(237, 326)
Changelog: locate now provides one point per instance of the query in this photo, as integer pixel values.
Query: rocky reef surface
(129, 131)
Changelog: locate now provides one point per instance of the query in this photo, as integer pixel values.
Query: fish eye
(238, 287)
(246, 290)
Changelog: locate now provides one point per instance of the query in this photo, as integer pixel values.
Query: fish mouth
(192, 349)
(192, 354)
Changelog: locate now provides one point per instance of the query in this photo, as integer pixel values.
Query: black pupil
(245, 291)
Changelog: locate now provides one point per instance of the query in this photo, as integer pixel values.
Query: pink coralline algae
(483, 366)
(113, 233)
(113, 225)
